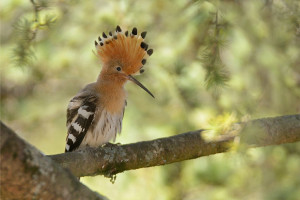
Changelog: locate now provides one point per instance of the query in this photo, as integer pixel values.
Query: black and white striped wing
(80, 115)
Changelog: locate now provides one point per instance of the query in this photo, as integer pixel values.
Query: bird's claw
(111, 145)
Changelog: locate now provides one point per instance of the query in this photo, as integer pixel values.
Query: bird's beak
(139, 84)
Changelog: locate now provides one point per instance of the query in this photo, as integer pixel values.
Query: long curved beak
(139, 84)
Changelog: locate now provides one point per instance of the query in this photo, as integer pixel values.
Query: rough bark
(113, 159)
(27, 174)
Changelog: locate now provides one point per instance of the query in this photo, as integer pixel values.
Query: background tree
(215, 63)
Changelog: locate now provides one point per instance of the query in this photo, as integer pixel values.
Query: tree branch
(27, 174)
(113, 159)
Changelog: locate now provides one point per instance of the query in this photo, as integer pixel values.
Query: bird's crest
(127, 48)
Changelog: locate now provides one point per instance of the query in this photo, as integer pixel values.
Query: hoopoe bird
(95, 114)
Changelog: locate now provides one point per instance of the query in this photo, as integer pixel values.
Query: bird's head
(123, 55)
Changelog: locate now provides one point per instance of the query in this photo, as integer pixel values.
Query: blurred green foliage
(214, 63)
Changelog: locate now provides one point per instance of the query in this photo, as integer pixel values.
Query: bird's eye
(118, 68)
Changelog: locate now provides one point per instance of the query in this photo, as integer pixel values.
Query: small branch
(27, 174)
(36, 20)
(113, 159)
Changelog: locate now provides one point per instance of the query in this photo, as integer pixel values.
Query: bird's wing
(80, 115)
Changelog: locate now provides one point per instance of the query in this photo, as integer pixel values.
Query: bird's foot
(111, 144)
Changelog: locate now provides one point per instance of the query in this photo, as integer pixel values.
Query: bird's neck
(111, 92)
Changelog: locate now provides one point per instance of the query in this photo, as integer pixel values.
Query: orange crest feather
(129, 50)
